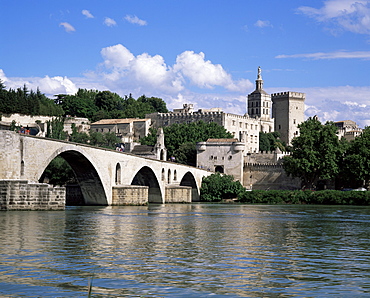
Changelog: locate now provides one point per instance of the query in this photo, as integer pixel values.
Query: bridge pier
(16, 194)
(178, 194)
(130, 195)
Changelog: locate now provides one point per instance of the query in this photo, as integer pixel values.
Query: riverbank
(323, 197)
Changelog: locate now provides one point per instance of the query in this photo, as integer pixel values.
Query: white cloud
(87, 14)
(348, 15)
(109, 22)
(48, 85)
(262, 24)
(330, 55)
(135, 20)
(67, 27)
(117, 57)
(205, 74)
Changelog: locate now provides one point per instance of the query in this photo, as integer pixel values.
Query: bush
(217, 187)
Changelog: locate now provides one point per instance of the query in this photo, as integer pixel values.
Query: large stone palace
(280, 112)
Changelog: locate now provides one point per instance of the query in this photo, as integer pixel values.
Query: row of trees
(91, 104)
(96, 105)
(27, 102)
(318, 154)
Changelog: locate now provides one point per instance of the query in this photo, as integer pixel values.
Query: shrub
(217, 187)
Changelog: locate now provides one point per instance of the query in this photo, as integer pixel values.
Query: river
(186, 250)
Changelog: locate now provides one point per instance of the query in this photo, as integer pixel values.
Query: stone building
(348, 129)
(288, 111)
(262, 170)
(38, 124)
(158, 151)
(221, 155)
(265, 113)
(128, 130)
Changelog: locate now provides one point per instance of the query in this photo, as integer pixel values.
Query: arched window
(169, 176)
(175, 176)
(163, 175)
(118, 174)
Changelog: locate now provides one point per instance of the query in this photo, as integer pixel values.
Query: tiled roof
(142, 149)
(222, 140)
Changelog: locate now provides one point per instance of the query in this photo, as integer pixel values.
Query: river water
(195, 250)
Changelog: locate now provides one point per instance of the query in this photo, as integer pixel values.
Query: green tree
(217, 187)
(356, 163)
(59, 172)
(55, 129)
(316, 153)
(186, 154)
(270, 141)
(78, 137)
(179, 134)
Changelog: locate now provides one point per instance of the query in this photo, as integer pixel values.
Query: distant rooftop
(222, 140)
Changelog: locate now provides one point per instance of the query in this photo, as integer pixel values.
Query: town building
(222, 156)
(348, 129)
(128, 130)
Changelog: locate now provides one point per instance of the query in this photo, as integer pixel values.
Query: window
(240, 124)
(118, 174)
(233, 122)
(294, 121)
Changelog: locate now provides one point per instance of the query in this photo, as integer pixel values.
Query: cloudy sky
(204, 52)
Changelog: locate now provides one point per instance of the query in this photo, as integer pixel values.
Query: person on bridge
(21, 130)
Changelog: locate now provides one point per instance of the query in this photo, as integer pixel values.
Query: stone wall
(130, 195)
(21, 195)
(178, 194)
(268, 176)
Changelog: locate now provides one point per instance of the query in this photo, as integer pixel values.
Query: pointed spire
(259, 81)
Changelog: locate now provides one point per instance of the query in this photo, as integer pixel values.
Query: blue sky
(202, 52)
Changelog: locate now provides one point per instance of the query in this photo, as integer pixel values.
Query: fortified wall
(165, 119)
(265, 171)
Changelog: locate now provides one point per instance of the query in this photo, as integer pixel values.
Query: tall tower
(259, 101)
(288, 112)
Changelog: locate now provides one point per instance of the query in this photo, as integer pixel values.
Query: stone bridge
(106, 177)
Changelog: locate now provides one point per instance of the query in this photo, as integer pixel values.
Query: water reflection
(186, 251)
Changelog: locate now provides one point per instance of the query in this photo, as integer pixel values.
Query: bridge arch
(146, 177)
(189, 180)
(88, 178)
